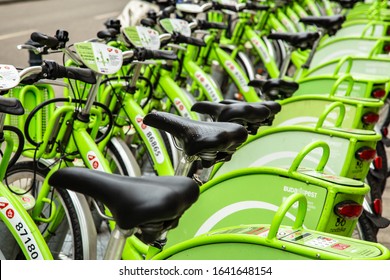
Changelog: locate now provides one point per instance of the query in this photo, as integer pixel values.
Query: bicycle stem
(91, 97)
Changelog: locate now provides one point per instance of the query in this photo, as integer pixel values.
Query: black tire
(115, 160)
(65, 240)
(365, 230)
(383, 172)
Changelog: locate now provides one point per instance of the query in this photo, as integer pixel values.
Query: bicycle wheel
(64, 234)
(121, 159)
(364, 229)
(382, 172)
(227, 85)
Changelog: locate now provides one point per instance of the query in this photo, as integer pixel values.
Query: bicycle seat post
(321, 33)
(184, 165)
(117, 243)
(286, 62)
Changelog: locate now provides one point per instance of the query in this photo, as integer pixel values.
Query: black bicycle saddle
(210, 141)
(133, 201)
(299, 40)
(329, 23)
(250, 115)
(275, 88)
(10, 105)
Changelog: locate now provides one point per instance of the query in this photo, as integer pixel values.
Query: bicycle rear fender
(278, 146)
(275, 241)
(306, 110)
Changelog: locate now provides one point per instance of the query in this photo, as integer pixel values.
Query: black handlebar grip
(179, 38)
(167, 11)
(256, 7)
(203, 24)
(219, 6)
(107, 33)
(168, 55)
(52, 70)
(45, 40)
(143, 54)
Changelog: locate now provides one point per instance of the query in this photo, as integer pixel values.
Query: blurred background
(19, 18)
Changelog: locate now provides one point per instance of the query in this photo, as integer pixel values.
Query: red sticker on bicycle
(10, 213)
(95, 165)
(3, 205)
(340, 246)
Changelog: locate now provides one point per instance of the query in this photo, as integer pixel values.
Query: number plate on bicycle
(176, 25)
(142, 37)
(99, 57)
(189, 8)
(9, 77)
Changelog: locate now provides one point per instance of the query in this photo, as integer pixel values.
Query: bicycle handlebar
(52, 70)
(45, 40)
(234, 8)
(142, 54)
(107, 33)
(253, 6)
(179, 38)
(204, 24)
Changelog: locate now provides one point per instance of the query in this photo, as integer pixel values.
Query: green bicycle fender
(236, 73)
(248, 242)
(151, 137)
(238, 196)
(355, 86)
(275, 24)
(354, 138)
(358, 67)
(306, 109)
(311, 5)
(351, 46)
(286, 21)
(15, 216)
(363, 27)
(262, 51)
(179, 99)
(299, 26)
(299, 9)
(209, 88)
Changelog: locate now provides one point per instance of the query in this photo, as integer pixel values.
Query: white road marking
(16, 34)
(105, 16)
